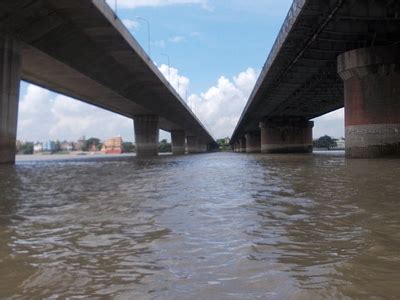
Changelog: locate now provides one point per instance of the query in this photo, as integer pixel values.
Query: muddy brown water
(213, 226)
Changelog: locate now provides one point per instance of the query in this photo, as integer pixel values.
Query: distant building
(67, 146)
(340, 143)
(113, 146)
(37, 148)
(19, 145)
(49, 146)
(81, 144)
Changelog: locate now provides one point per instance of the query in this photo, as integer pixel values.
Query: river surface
(212, 226)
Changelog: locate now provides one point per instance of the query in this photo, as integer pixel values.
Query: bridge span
(329, 54)
(79, 48)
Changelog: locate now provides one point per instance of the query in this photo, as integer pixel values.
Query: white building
(38, 147)
(340, 143)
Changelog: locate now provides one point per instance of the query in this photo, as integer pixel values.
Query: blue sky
(216, 48)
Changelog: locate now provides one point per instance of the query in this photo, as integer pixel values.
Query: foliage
(165, 147)
(26, 148)
(223, 145)
(92, 142)
(325, 142)
(128, 147)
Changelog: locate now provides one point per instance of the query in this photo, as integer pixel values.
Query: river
(212, 226)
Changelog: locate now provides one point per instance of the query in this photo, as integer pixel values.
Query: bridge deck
(300, 77)
(79, 48)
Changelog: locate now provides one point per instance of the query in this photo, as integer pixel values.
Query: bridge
(329, 54)
(80, 48)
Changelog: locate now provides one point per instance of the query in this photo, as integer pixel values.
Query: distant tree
(27, 148)
(165, 147)
(325, 142)
(57, 146)
(223, 145)
(92, 142)
(128, 147)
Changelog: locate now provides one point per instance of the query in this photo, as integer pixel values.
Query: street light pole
(148, 32)
(169, 66)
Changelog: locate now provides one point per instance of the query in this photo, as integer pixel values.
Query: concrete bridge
(329, 54)
(79, 48)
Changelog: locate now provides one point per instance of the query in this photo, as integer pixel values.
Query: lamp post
(148, 32)
(169, 66)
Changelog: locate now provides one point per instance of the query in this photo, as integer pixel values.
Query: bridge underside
(300, 78)
(79, 48)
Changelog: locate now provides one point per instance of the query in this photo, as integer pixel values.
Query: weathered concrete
(372, 101)
(146, 135)
(178, 138)
(242, 145)
(286, 136)
(192, 144)
(253, 142)
(196, 145)
(236, 147)
(10, 66)
(202, 146)
(299, 78)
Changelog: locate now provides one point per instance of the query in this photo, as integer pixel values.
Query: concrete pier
(202, 146)
(146, 135)
(192, 144)
(196, 145)
(286, 135)
(242, 145)
(253, 142)
(372, 101)
(10, 66)
(178, 138)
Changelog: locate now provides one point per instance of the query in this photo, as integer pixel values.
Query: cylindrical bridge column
(372, 101)
(146, 135)
(10, 67)
(178, 142)
(253, 142)
(286, 135)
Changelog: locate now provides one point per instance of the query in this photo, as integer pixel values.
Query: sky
(216, 50)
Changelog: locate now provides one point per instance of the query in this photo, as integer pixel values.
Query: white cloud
(44, 115)
(130, 4)
(220, 107)
(176, 39)
(179, 83)
(331, 124)
(130, 24)
(158, 43)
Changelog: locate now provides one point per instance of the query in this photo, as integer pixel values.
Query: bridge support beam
(253, 142)
(286, 135)
(10, 77)
(372, 101)
(178, 142)
(146, 135)
(242, 145)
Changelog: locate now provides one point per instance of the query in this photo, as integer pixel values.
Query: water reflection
(217, 226)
